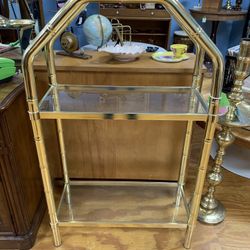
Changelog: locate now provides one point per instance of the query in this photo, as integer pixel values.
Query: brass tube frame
(197, 77)
(196, 84)
(184, 160)
(52, 30)
(53, 81)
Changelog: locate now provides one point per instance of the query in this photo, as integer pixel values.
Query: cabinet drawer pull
(117, 12)
(152, 13)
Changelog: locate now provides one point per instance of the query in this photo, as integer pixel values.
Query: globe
(97, 30)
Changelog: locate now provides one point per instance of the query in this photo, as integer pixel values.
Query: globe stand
(80, 55)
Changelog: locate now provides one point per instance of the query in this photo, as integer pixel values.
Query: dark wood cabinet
(148, 25)
(6, 226)
(22, 203)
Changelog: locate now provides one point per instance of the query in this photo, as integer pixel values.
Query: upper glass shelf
(122, 103)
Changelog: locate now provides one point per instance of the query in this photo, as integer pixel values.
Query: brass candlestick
(228, 5)
(241, 72)
(211, 210)
(238, 5)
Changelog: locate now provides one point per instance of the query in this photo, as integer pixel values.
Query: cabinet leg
(211, 210)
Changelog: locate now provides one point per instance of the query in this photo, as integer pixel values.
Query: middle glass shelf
(122, 103)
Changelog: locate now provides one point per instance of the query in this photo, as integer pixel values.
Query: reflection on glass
(123, 203)
(124, 100)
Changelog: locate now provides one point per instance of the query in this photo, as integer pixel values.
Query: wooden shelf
(147, 34)
(158, 23)
(135, 13)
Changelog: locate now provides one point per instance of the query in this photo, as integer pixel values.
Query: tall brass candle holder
(238, 5)
(228, 5)
(211, 210)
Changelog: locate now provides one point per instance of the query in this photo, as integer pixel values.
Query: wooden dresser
(21, 195)
(148, 25)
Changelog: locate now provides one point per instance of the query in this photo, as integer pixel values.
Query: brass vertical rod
(197, 77)
(196, 65)
(57, 107)
(209, 133)
(192, 102)
(43, 162)
(185, 154)
(52, 78)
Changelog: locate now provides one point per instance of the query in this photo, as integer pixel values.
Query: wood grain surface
(124, 149)
(232, 234)
(219, 15)
(103, 62)
(21, 192)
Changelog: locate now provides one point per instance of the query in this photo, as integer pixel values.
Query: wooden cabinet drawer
(135, 13)
(5, 218)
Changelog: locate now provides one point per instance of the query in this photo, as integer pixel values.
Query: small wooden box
(212, 4)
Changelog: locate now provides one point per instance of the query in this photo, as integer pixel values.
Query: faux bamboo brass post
(211, 210)
(46, 38)
(196, 84)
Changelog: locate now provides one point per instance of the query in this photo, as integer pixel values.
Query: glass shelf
(123, 103)
(126, 204)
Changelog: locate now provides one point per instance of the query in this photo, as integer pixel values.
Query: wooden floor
(233, 233)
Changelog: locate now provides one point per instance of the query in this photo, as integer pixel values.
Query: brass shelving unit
(122, 103)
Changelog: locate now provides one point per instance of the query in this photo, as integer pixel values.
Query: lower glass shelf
(122, 204)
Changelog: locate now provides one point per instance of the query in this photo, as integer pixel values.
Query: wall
(229, 33)
(50, 8)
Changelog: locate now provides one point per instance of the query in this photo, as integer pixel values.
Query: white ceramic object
(124, 53)
(168, 57)
(110, 43)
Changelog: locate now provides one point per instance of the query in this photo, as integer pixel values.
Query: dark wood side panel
(22, 203)
(11, 180)
(23, 148)
(5, 218)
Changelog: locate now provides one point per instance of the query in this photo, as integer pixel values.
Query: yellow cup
(178, 49)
